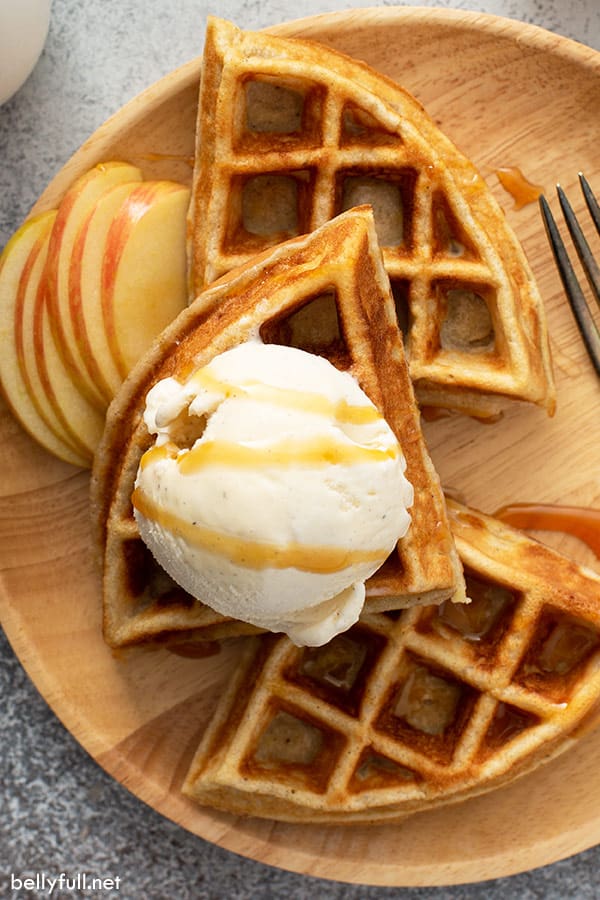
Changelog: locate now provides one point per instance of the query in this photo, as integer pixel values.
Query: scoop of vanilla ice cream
(274, 489)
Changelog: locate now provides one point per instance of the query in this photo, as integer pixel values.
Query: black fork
(575, 295)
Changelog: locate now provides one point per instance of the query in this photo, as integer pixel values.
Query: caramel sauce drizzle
(315, 452)
(521, 190)
(287, 452)
(158, 452)
(433, 413)
(582, 523)
(254, 554)
(341, 410)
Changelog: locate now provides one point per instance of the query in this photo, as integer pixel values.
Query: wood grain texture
(508, 95)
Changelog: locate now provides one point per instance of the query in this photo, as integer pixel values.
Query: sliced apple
(31, 284)
(84, 290)
(81, 419)
(85, 276)
(141, 265)
(72, 213)
(17, 263)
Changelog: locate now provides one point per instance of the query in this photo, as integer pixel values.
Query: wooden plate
(509, 95)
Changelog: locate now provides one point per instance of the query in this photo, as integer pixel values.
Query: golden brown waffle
(408, 711)
(291, 133)
(329, 294)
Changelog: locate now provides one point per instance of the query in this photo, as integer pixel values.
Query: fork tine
(575, 296)
(590, 266)
(592, 203)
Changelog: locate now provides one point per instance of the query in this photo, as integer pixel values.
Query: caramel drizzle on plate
(520, 188)
(579, 521)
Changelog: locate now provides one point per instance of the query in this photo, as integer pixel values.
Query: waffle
(408, 711)
(327, 293)
(291, 133)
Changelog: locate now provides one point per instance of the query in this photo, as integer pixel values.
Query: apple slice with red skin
(85, 281)
(31, 285)
(81, 419)
(17, 262)
(72, 212)
(140, 264)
